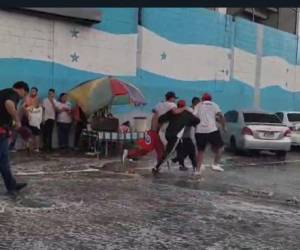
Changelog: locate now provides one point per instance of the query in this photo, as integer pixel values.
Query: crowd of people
(187, 129)
(40, 117)
(199, 127)
(24, 114)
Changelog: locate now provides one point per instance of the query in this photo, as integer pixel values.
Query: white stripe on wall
(182, 62)
(98, 51)
(23, 36)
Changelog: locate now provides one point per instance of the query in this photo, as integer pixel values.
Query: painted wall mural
(188, 50)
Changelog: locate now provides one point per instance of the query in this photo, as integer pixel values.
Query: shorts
(35, 131)
(213, 138)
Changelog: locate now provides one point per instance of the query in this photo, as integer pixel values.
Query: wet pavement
(76, 202)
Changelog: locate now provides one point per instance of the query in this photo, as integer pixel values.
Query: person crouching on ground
(177, 122)
(207, 132)
(35, 118)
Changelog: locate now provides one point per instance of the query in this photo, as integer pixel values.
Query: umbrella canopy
(99, 93)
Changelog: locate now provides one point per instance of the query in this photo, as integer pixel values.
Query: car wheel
(281, 155)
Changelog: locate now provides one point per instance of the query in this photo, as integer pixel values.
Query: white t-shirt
(64, 116)
(163, 107)
(35, 117)
(49, 111)
(206, 111)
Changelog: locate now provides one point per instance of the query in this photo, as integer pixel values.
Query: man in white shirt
(64, 121)
(50, 107)
(207, 131)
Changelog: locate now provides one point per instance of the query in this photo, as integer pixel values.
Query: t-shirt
(64, 116)
(49, 111)
(163, 107)
(178, 121)
(7, 94)
(35, 117)
(206, 111)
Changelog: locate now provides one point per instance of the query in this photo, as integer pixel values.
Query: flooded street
(75, 202)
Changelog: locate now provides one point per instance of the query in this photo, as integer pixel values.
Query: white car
(292, 120)
(256, 130)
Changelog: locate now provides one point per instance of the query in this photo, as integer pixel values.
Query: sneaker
(216, 167)
(36, 150)
(174, 160)
(124, 156)
(13, 150)
(155, 171)
(183, 168)
(197, 173)
(20, 186)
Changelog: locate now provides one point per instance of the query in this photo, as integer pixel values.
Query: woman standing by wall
(64, 121)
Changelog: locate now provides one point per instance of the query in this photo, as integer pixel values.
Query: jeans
(63, 130)
(9, 180)
(47, 134)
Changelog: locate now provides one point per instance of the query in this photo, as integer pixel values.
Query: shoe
(155, 171)
(183, 168)
(124, 156)
(20, 186)
(36, 150)
(174, 160)
(216, 167)
(13, 150)
(197, 173)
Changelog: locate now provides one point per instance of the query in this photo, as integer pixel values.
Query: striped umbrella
(99, 93)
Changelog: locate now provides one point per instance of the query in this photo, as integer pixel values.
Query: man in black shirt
(9, 99)
(177, 122)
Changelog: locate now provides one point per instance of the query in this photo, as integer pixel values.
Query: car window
(294, 117)
(231, 116)
(261, 118)
(280, 115)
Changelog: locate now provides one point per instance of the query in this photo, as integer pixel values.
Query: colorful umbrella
(99, 93)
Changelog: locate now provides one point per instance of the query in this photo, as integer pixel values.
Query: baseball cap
(206, 97)
(181, 103)
(170, 94)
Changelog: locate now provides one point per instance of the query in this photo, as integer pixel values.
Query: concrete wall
(189, 50)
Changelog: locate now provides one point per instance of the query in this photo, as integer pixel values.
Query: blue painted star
(163, 56)
(74, 33)
(74, 57)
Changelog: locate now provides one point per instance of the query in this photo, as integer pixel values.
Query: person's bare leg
(200, 167)
(217, 154)
(37, 143)
(217, 157)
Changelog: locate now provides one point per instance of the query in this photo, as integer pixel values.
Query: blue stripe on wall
(229, 95)
(187, 25)
(43, 75)
(275, 98)
(155, 86)
(245, 35)
(118, 20)
(281, 44)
